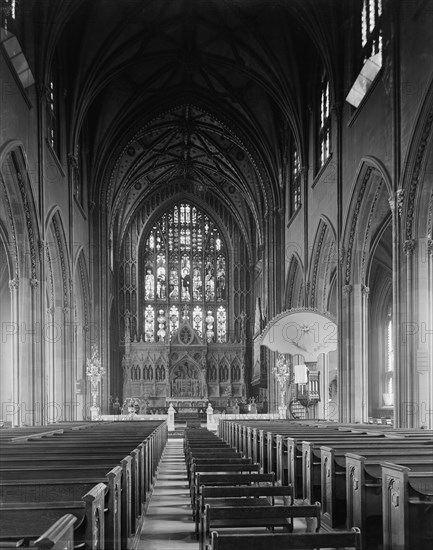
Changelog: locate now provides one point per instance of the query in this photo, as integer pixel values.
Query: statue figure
(243, 333)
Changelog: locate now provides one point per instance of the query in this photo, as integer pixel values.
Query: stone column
(395, 204)
(13, 414)
(36, 374)
(345, 372)
(365, 290)
(49, 334)
(408, 403)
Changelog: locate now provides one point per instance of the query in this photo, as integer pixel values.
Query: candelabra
(282, 373)
(94, 372)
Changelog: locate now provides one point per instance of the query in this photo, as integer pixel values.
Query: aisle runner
(168, 523)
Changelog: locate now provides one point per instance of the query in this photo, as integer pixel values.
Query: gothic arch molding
(59, 257)
(414, 166)
(294, 295)
(322, 265)
(176, 195)
(22, 219)
(6, 256)
(366, 211)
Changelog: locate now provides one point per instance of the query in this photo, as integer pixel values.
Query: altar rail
(123, 417)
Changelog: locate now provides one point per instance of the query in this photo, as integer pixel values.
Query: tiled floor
(168, 523)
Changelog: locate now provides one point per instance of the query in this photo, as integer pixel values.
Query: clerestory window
(371, 50)
(295, 181)
(325, 122)
(371, 29)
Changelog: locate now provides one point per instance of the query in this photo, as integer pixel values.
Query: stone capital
(399, 195)
(73, 161)
(365, 290)
(34, 283)
(14, 284)
(347, 289)
(409, 246)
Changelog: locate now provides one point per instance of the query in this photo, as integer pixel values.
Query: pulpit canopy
(301, 331)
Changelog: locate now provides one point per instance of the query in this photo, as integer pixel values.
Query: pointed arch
(81, 312)
(366, 212)
(294, 295)
(59, 255)
(323, 264)
(61, 375)
(415, 180)
(20, 215)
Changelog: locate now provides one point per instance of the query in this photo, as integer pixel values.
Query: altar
(186, 370)
(188, 406)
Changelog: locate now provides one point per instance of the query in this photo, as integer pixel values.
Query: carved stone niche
(187, 376)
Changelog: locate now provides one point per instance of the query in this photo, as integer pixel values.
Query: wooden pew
(268, 441)
(364, 493)
(137, 476)
(289, 452)
(269, 451)
(214, 461)
(312, 458)
(333, 473)
(226, 453)
(254, 517)
(226, 479)
(258, 495)
(46, 492)
(28, 522)
(59, 536)
(61, 450)
(407, 508)
(280, 541)
(220, 467)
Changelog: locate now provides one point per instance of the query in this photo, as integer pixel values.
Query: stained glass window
(149, 321)
(184, 271)
(295, 181)
(221, 324)
(371, 32)
(324, 130)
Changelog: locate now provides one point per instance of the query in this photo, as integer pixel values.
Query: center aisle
(168, 524)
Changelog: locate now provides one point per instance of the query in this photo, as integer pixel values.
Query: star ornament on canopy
(302, 331)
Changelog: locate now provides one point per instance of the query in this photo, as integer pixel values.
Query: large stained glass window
(184, 271)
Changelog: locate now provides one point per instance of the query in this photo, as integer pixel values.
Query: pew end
(58, 537)
(343, 539)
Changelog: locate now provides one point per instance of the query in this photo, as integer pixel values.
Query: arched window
(184, 275)
(371, 29)
(295, 181)
(324, 122)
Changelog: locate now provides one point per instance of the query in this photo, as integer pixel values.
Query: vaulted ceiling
(202, 91)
